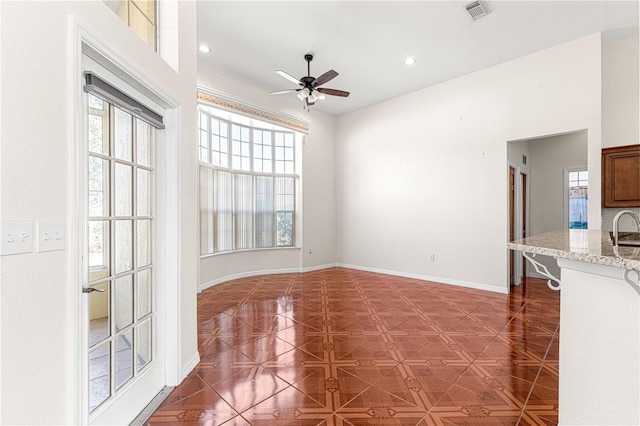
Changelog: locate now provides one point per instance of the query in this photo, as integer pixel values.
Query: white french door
(124, 363)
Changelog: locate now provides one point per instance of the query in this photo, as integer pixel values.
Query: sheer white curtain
(239, 211)
(264, 212)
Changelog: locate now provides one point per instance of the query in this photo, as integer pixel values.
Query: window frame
(206, 162)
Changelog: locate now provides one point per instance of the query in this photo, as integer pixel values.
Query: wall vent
(476, 10)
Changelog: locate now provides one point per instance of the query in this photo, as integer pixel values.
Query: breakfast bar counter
(599, 283)
(582, 245)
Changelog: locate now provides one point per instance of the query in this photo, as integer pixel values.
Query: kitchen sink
(627, 239)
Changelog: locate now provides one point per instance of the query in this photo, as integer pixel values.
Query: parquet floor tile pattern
(347, 347)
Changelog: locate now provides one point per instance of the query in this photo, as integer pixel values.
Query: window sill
(204, 256)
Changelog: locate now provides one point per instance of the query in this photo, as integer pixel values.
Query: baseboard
(534, 274)
(247, 275)
(190, 365)
(263, 272)
(319, 267)
(439, 280)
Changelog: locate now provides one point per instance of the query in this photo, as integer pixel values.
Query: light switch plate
(50, 236)
(17, 238)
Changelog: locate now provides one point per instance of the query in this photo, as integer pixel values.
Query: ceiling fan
(309, 90)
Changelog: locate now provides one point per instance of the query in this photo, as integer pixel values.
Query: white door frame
(168, 215)
(520, 267)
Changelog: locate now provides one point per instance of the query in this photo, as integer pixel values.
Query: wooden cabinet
(621, 176)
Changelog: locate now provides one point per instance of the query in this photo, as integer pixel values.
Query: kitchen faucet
(616, 221)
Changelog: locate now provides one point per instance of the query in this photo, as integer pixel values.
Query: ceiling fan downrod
(308, 57)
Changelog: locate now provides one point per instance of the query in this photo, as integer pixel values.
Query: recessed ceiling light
(204, 48)
(410, 60)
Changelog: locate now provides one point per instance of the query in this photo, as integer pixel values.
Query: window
(578, 186)
(141, 17)
(248, 183)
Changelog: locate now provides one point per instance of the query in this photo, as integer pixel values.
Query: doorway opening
(125, 284)
(545, 170)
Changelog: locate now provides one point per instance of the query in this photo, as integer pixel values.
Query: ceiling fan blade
(327, 76)
(281, 92)
(333, 92)
(288, 76)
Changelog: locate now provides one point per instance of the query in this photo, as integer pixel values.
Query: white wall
(549, 158)
(620, 113)
(37, 141)
(620, 116)
(318, 239)
(515, 151)
(426, 173)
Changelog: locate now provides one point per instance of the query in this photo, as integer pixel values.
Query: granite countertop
(582, 245)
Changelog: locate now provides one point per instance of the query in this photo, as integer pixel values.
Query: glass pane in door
(123, 137)
(99, 253)
(99, 318)
(123, 182)
(143, 293)
(144, 242)
(98, 187)
(98, 125)
(124, 358)
(143, 338)
(99, 375)
(143, 143)
(124, 245)
(144, 190)
(123, 301)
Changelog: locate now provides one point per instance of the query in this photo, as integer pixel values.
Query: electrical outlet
(310, 251)
(50, 236)
(17, 238)
(432, 258)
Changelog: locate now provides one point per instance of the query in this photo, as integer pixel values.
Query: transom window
(579, 179)
(248, 183)
(141, 17)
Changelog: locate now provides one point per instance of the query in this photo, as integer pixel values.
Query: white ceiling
(366, 42)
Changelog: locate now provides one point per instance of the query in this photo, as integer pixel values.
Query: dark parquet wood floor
(347, 347)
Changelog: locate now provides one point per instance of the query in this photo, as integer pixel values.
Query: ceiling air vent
(476, 10)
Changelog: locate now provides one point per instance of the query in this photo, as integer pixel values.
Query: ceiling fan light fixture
(304, 93)
(313, 96)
